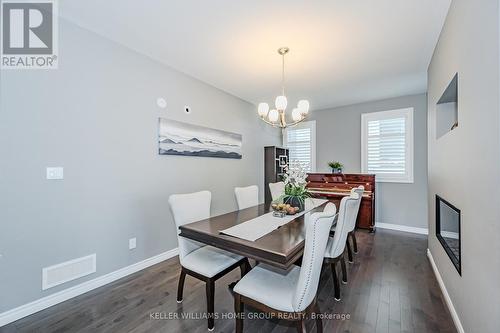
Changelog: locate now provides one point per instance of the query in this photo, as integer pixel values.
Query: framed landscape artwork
(179, 138)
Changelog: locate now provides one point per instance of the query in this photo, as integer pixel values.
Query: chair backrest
(188, 208)
(277, 189)
(247, 196)
(359, 190)
(347, 212)
(317, 232)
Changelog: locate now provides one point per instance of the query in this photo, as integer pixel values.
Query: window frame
(311, 124)
(406, 113)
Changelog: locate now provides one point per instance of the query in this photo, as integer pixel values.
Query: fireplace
(448, 230)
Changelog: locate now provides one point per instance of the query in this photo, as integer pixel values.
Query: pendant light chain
(283, 75)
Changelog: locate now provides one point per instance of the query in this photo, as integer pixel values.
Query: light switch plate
(55, 173)
(132, 243)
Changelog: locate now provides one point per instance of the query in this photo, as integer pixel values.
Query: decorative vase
(338, 170)
(295, 202)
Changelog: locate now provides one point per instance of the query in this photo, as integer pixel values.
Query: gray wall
(338, 137)
(97, 117)
(464, 164)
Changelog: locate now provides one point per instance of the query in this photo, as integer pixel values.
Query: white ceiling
(342, 52)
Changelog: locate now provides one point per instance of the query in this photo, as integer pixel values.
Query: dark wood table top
(281, 247)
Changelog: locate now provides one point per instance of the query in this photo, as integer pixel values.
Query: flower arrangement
(295, 181)
(336, 166)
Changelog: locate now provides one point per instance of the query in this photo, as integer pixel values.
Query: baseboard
(63, 295)
(446, 296)
(415, 230)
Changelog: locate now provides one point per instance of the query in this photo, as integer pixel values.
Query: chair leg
(244, 267)
(242, 270)
(180, 287)
(354, 242)
(319, 322)
(344, 269)
(336, 285)
(349, 251)
(210, 288)
(238, 310)
(301, 326)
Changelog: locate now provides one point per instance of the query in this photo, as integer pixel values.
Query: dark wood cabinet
(336, 186)
(275, 160)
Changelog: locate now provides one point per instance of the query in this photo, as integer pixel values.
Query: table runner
(260, 226)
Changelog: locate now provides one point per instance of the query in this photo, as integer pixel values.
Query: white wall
(97, 117)
(464, 164)
(339, 138)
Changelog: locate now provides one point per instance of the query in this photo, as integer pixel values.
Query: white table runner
(260, 226)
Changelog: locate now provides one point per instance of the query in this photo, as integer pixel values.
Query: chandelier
(276, 117)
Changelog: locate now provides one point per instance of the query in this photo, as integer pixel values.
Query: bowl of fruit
(282, 209)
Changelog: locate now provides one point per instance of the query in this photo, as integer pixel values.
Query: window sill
(401, 181)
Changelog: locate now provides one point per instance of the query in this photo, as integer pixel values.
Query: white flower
(295, 174)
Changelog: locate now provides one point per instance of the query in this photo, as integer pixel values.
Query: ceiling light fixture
(276, 117)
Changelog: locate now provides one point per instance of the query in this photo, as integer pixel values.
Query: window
(387, 145)
(301, 142)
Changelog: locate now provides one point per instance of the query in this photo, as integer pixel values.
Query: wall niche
(447, 109)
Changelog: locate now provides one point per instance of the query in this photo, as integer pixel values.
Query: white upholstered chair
(335, 249)
(247, 196)
(352, 228)
(292, 292)
(204, 262)
(277, 190)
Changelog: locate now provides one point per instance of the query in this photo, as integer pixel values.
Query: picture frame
(283, 160)
(184, 139)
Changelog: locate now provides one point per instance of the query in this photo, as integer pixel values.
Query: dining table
(281, 247)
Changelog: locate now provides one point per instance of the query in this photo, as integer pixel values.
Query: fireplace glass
(448, 230)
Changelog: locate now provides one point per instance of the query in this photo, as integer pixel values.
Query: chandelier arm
(284, 125)
(282, 119)
(296, 122)
(268, 122)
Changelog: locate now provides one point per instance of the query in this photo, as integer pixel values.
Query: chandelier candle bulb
(273, 115)
(296, 114)
(303, 105)
(281, 103)
(263, 109)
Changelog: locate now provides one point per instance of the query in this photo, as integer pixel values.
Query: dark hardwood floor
(391, 288)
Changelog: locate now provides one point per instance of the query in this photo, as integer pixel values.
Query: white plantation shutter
(387, 145)
(301, 143)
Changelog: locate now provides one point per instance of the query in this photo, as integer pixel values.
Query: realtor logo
(29, 34)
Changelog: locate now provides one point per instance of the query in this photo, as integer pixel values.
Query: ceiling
(342, 52)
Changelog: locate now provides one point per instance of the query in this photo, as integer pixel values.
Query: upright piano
(336, 186)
